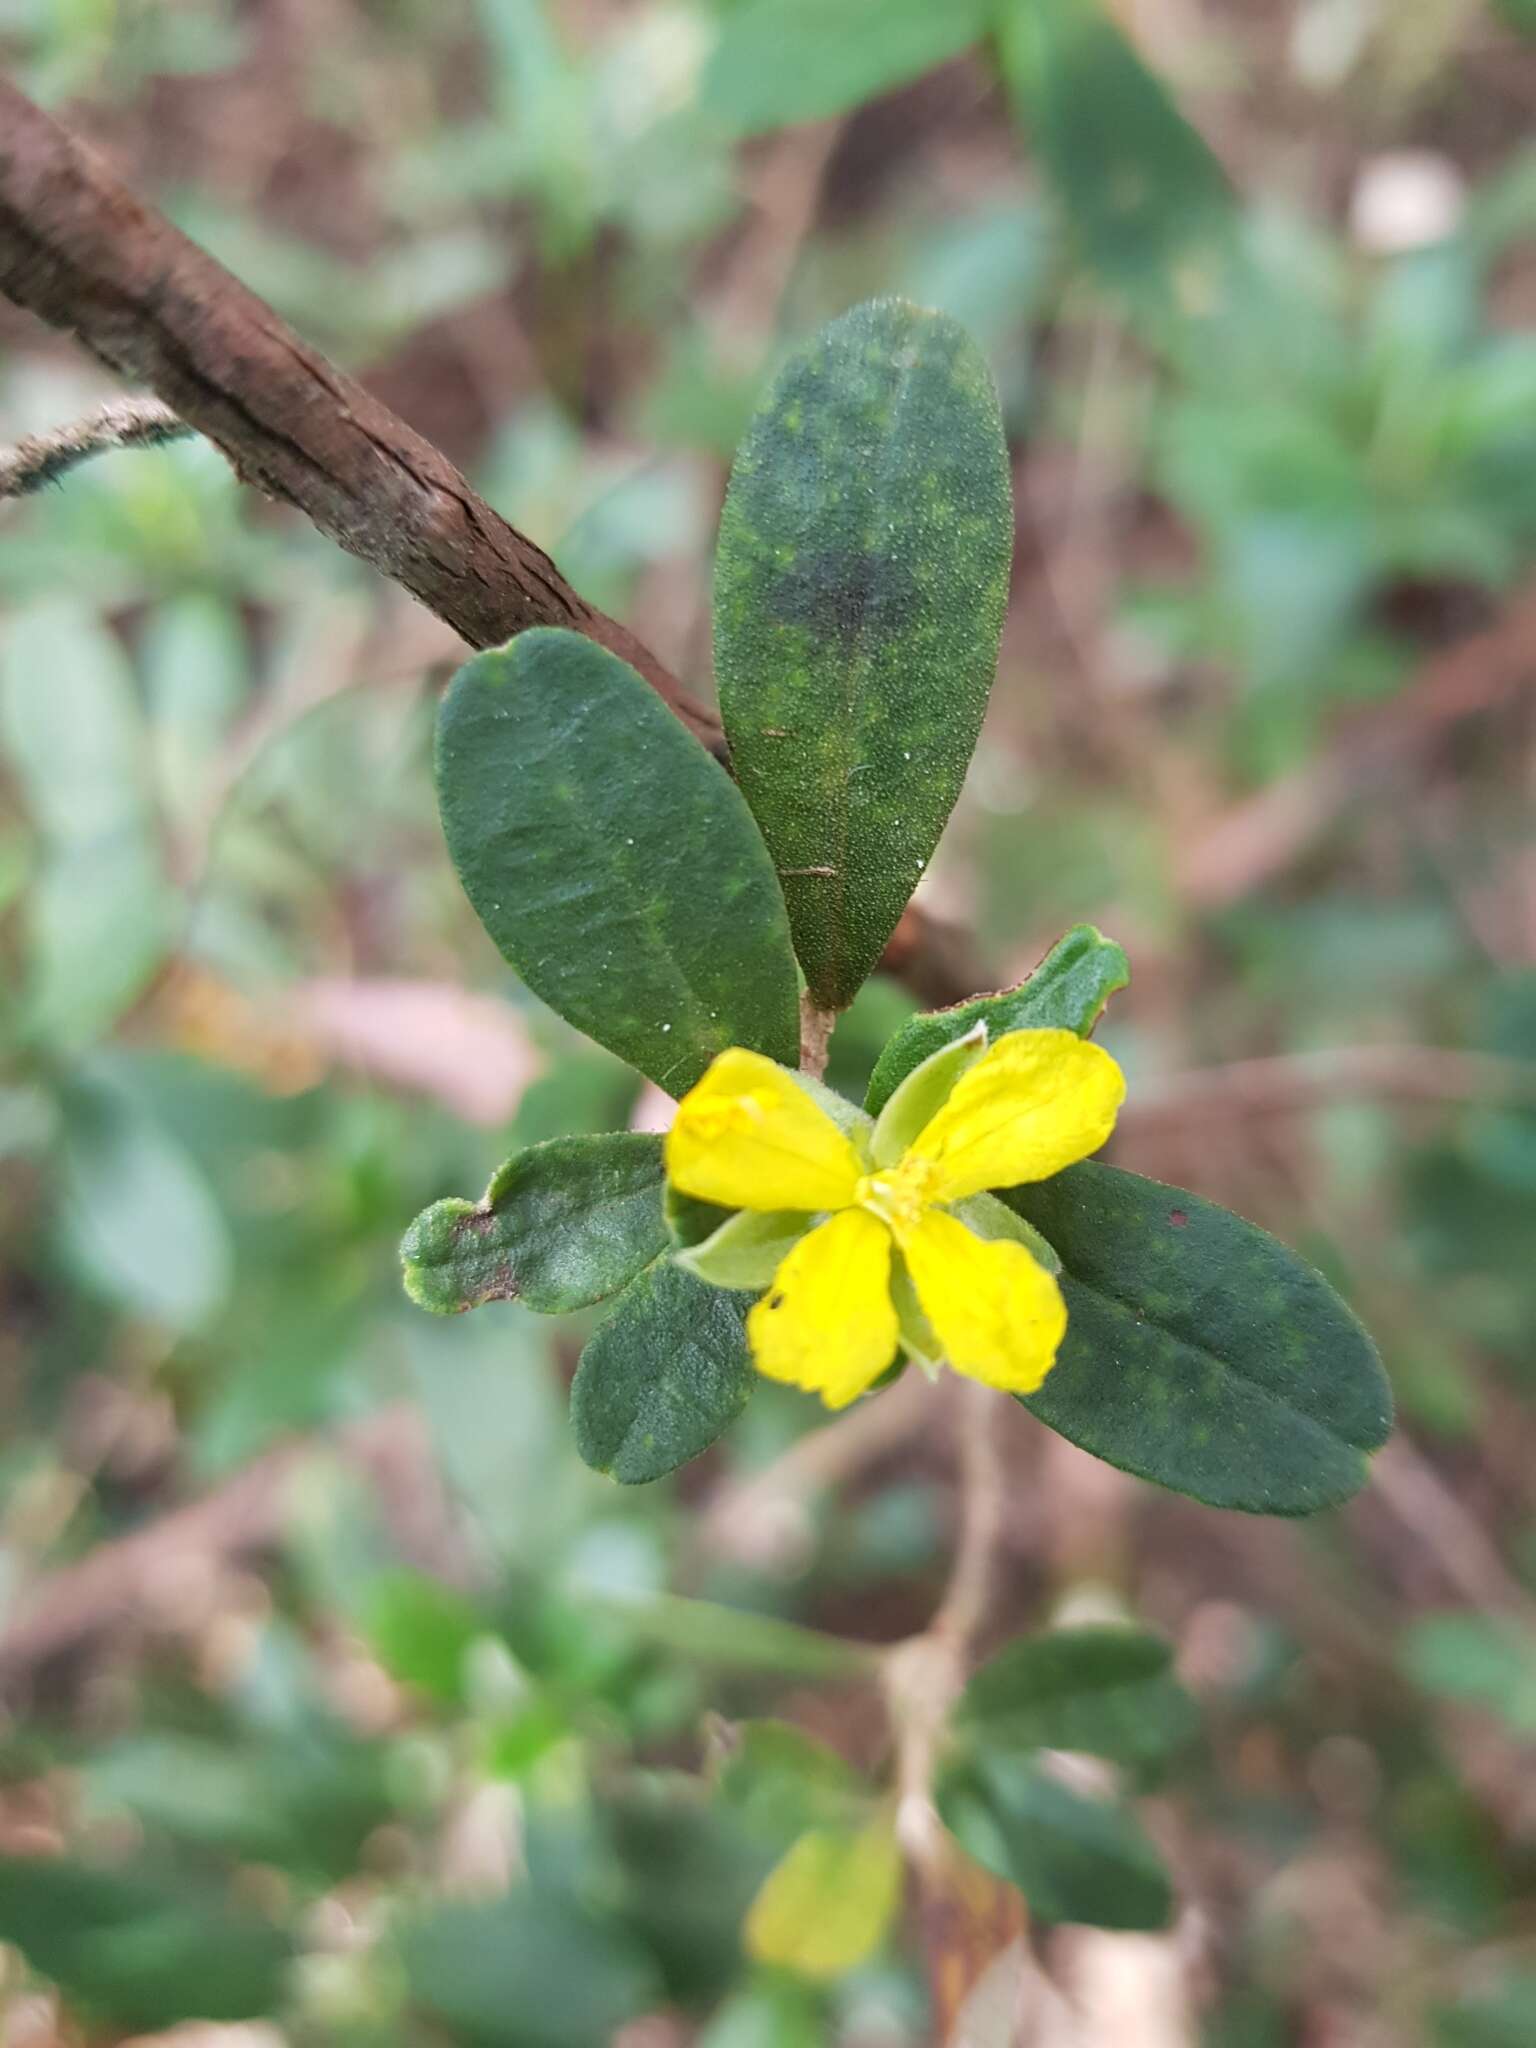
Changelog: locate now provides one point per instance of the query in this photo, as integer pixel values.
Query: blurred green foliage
(464, 1744)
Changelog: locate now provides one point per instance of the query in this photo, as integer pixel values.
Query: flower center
(898, 1194)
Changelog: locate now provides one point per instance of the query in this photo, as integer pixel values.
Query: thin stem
(43, 459)
(968, 1594)
(815, 1036)
(924, 1676)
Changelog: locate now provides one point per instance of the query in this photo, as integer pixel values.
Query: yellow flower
(880, 1234)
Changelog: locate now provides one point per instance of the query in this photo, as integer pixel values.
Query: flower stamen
(899, 1194)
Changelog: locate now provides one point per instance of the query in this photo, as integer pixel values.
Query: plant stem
(815, 1037)
(924, 1675)
(923, 1679)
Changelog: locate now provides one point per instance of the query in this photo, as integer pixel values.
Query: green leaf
(747, 1249)
(71, 724)
(860, 584)
(304, 1799)
(1150, 206)
(825, 1908)
(196, 665)
(142, 1950)
(662, 1377)
(101, 913)
(1497, 2015)
(1066, 992)
(612, 860)
(421, 1632)
(690, 1869)
(1106, 1690)
(736, 1639)
(1481, 1660)
(990, 1217)
(562, 1225)
(525, 1971)
(775, 2012)
(782, 61)
(1073, 1858)
(690, 1221)
(1200, 1352)
(138, 1221)
(782, 1781)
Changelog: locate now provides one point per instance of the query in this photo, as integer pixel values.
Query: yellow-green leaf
(825, 1908)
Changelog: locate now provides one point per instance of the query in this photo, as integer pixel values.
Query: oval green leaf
(1066, 992)
(1107, 1690)
(825, 1908)
(561, 1225)
(666, 1373)
(783, 1781)
(1148, 204)
(1200, 1351)
(1074, 1859)
(528, 1970)
(144, 1951)
(613, 861)
(782, 61)
(860, 585)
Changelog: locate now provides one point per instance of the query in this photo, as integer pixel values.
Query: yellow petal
(825, 1908)
(995, 1310)
(827, 1323)
(1034, 1103)
(748, 1137)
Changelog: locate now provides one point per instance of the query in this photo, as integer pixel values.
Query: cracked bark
(79, 250)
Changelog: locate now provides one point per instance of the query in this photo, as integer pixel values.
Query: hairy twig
(42, 459)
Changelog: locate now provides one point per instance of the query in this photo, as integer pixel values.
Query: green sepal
(747, 1249)
(1075, 1859)
(666, 1372)
(562, 1225)
(860, 584)
(1200, 1352)
(690, 1221)
(849, 1118)
(1066, 992)
(1106, 1689)
(919, 1341)
(658, 928)
(923, 1093)
(990, 1217)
